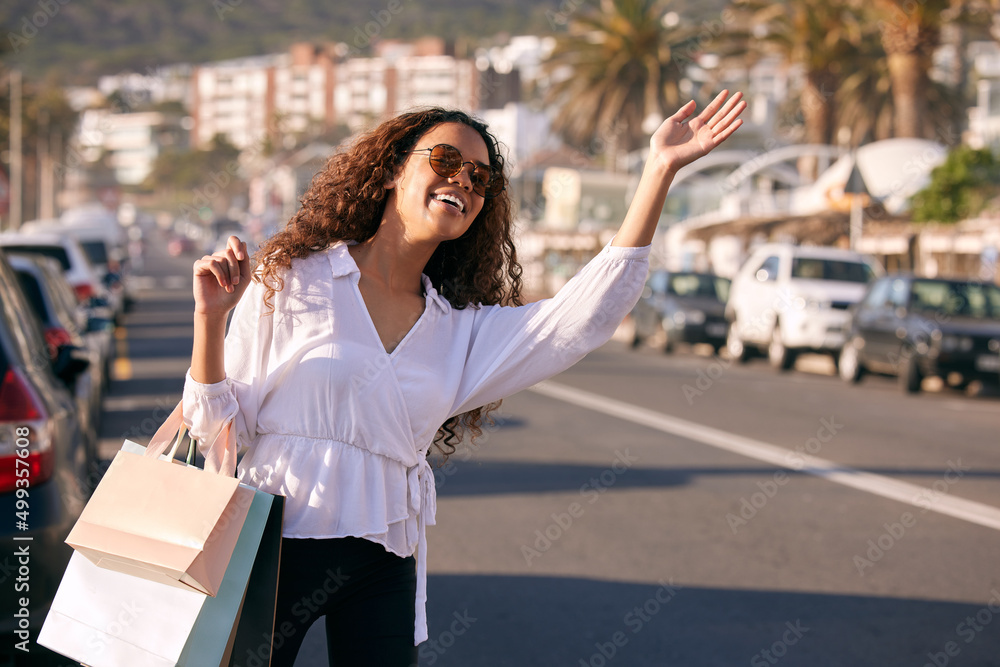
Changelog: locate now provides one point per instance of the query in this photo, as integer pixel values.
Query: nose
(464, 176)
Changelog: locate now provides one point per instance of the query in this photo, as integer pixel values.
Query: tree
(614, 68)
(911, 31)
(819, 36)
(865, 103)
(47, 121)
(197, 177)
(960, 188)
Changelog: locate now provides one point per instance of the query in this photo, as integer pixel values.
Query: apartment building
(313, 88)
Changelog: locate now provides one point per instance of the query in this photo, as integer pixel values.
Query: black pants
(366, 594)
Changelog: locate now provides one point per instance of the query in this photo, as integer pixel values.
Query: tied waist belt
(423, 500)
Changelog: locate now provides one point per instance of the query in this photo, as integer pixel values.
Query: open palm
(681, 139)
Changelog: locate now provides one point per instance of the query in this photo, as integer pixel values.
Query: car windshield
(814, 268)
(698, 285)
(963, 299)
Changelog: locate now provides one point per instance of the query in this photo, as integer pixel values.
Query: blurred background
(789, 451)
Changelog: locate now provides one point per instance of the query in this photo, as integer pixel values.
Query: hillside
(81, 40)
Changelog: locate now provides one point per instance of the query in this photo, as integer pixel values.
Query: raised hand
(221, 279)
(681, 139)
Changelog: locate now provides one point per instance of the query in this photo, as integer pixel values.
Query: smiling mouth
(451, 200)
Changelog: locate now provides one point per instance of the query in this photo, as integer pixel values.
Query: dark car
(925, 327)
(64, 327)
(688, 307)
(43, 469)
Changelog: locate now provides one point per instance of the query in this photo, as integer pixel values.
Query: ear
(390, 181)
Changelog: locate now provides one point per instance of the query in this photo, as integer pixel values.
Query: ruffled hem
(331, 488)
(350, 492)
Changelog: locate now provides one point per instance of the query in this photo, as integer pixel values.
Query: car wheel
(910, 376)
(734, 345)
(636, 341)
(668, 346)
(849, 365)
(781, 357)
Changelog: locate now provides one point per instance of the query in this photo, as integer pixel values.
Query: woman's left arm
(679, 141)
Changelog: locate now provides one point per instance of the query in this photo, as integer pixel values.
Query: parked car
(80, 273)
(43, 465)
(43, 284)
(104, 247)
(789, 299)
(688, 307)
(925, 327)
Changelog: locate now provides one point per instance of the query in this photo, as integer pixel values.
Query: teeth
(453, 199)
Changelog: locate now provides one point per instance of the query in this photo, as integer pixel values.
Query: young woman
(384, 320)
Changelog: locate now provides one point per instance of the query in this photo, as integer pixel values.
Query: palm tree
(616, 67)
(865, 102)
(911, 31)
(817, 35)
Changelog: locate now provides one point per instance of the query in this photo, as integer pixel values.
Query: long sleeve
(513, 348)
(208, 407)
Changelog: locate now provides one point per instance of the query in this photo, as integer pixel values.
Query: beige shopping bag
(163, 521)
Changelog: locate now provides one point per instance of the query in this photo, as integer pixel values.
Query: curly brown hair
(346, 201)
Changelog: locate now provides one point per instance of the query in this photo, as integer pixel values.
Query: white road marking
(879, 485)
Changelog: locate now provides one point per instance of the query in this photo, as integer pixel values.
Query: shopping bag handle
(220, 457)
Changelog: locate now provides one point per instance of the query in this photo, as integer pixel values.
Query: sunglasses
(447, 161)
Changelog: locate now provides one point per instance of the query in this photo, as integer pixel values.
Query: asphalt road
(641, 509)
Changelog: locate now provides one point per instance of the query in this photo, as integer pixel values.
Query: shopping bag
(161, 520)
(103, 617)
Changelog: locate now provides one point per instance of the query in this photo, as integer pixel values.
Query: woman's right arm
(212, 397)
(219, 282)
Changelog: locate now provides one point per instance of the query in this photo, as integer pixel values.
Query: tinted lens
(447, 161)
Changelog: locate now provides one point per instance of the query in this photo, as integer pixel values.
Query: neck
(393, 259)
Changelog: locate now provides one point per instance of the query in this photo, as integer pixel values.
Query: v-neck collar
(342, 263)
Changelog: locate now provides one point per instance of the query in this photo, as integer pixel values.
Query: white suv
(788, 299)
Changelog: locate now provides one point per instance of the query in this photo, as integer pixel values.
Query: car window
(60, 290)
(768, 270)
(898, 293)
(57, 253)
(693, 285)
(658, 282)
(815, 268)
(879, 295)
(21, 321)
(977, 300)
(97, 251)
(33, 293)
(722, 288)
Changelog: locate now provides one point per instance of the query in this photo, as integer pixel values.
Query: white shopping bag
(97, 615)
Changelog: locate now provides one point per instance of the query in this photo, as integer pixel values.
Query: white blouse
(341, 428)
